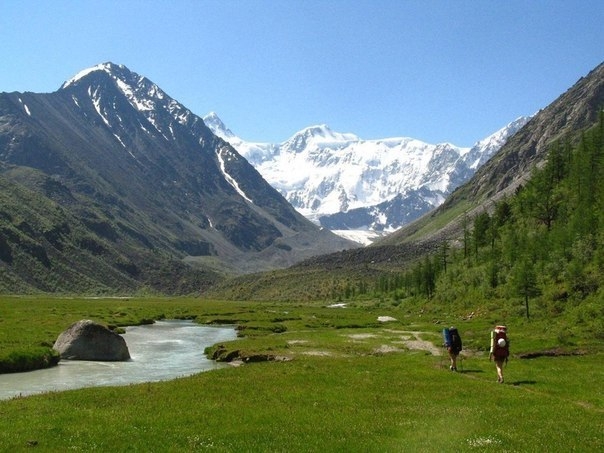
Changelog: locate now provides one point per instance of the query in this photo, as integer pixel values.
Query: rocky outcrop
(87, 340)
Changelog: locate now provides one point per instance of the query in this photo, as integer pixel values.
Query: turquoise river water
(161, 351)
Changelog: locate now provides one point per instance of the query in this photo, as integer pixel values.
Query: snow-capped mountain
(346, 183)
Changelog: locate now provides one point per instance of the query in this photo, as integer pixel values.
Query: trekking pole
(441, 358)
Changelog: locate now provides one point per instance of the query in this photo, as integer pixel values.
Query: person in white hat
(500, 349)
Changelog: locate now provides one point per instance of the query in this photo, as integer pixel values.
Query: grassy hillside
(78, 247)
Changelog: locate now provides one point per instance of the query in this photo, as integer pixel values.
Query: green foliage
(34, 358)
(544, 242)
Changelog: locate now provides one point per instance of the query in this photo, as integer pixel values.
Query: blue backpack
(452, 340)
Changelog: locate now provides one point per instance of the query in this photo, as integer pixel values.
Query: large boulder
(87, 340)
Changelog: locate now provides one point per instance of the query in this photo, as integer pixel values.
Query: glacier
(363, 188)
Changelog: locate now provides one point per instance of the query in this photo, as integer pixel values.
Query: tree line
(544, 242)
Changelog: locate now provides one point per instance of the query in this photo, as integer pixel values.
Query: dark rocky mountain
(400, 210)
(109, 184)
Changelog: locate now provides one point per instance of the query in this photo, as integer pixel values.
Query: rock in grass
(87, 340)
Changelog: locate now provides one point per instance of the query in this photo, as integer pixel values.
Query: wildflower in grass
(478, 442)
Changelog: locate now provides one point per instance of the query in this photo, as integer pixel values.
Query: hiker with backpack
(500, 349)
(452, 341)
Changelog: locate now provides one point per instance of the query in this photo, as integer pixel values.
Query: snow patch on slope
(223, 153)
(83, 73)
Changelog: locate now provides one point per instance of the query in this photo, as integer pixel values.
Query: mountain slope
(574, 111)
(565, 119)
(145, 175)
(346, 183)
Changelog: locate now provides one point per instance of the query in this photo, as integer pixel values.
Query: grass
(350, 384)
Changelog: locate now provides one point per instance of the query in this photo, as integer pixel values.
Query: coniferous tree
(444, 249)
(482, 223)
(429, 277)
(525, 282)
(466, 237)
(550, 227)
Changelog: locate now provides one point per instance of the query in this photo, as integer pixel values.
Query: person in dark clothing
(454, 346)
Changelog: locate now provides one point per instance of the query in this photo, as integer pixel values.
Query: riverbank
(161, 351)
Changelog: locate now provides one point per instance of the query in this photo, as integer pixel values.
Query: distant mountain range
(110, 186)
(449, 227)
(109, 183)
(343, 182)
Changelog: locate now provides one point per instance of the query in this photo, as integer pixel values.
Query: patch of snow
(120, 140)
(25, 107)
(97, 106)
(364, 237)
(228, 177)
(100, 67)
(386, 319)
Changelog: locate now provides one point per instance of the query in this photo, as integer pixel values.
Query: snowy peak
(344, 182)
(217, 126)
(321, 136)
(323, 132)
(108, 68)
(255, 153)
(132, 85)
(487, 147)
(143, 94)
(110, 87)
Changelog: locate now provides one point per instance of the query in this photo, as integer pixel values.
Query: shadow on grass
(470, 371)
(524, 382)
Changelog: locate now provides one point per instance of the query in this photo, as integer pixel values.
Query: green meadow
(313, 378)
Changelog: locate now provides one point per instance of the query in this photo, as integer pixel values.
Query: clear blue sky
(439, 71)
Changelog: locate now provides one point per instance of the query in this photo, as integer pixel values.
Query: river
(161, 351)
